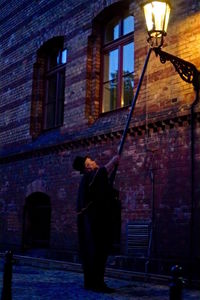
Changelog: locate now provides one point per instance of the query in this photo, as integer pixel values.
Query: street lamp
(157, 18)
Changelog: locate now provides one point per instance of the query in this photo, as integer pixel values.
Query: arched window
(118, 63)
(49, 86)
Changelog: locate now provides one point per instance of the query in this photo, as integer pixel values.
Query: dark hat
(79, 163)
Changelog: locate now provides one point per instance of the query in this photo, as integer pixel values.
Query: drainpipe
(152, 229)
(193, 171)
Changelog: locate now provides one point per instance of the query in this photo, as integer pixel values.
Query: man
(93, 210)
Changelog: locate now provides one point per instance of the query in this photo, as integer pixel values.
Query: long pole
(133, 103)
(121, 145)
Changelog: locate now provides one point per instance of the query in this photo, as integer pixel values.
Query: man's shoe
(88, 286)
(103, 289)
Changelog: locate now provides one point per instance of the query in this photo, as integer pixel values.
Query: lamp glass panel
(157, 16)
(167, 17)
(148, 16)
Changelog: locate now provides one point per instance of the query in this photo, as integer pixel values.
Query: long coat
(94, 227)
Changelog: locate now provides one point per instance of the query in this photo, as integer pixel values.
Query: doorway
(36, 221)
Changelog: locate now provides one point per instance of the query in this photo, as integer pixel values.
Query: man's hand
(112, 163)
(115, 159)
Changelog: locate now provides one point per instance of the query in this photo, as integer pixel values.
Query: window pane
(111, 65)
(56, 58)
(52, 83)
(128, 69)
(109, 96)
(50, 115)
(60, 102)
(127, 90)
(51, 98)
(64, 56)
(128, 25)
(112, 30)
(53, 59)
(128, 58)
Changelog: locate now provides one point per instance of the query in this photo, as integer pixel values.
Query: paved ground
(33, 283)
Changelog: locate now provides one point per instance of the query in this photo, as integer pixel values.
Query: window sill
(119, 109)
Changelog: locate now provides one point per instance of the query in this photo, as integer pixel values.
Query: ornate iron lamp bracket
(187, 71)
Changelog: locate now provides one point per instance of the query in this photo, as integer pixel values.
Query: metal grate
(138, 238)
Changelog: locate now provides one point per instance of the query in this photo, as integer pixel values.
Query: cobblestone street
(35, 283)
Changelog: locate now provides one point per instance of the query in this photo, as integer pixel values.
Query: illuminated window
(118, 63)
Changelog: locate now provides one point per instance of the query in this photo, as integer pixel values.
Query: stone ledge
(139, 129)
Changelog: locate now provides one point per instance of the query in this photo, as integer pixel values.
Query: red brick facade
(163, 140)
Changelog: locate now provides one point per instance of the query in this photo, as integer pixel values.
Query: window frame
(119, 43)
(50, 71)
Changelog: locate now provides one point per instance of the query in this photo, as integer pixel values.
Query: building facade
(68, 73)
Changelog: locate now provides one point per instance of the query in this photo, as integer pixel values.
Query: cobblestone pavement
(33, 283)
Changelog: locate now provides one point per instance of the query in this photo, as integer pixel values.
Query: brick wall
(159, 139)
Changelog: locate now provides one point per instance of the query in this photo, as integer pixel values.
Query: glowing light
(157, 18)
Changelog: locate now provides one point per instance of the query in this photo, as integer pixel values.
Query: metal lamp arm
(186, 70)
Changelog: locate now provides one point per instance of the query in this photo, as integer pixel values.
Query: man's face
(90, 165)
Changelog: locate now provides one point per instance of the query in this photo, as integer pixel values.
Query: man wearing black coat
(93, 211)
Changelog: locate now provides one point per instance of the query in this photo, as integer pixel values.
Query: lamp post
(157, 17)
